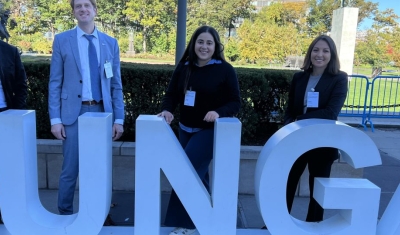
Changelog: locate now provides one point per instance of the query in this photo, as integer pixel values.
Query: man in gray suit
(72, 91)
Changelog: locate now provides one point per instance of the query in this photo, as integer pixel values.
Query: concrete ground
(387, 176)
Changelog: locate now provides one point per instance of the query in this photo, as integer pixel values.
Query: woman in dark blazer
(319, 91)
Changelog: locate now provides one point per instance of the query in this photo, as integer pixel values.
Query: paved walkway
(387, 176)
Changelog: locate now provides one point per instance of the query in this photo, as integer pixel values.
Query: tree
(232, 10)
(386, 18)
(372, 50)
(284, 13)
(273, 14)
(386, 25)
(295, 13)
(274, 34)
(27, 17)
(164, 43)
(150, 16)
(54, 15)
(231, 49)
(394, 44)
(250, 35)
(111, 18)
(4, 5)
(220, 14)
(319, 19)
(266, 40)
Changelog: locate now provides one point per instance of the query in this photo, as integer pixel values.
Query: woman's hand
(211, 116)
(167, 115)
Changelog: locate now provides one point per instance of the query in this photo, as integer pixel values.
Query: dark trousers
(199, 149)
(319, 162)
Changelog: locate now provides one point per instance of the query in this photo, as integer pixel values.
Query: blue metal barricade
(357, 99)
(385, 98)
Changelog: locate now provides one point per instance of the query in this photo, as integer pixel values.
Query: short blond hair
(72, 2)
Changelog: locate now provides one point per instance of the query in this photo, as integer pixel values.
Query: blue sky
(383, 5)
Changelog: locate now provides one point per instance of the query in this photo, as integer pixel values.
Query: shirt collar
(80, 32)
(212, 61)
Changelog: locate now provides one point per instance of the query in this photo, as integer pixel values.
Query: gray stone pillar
(131, 48)
(344, 29)
(181, 30)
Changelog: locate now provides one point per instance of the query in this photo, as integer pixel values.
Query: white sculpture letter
(277, 158)
(158, 149)
(21, 208)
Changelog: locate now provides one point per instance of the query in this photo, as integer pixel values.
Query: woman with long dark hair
(205, 87)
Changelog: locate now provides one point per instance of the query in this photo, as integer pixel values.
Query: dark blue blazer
(12, 76)
(332, 90)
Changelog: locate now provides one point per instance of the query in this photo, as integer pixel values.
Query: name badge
(189, 98)
(312, 99)
(108, 69)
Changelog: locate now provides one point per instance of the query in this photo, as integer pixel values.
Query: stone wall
(50, 162)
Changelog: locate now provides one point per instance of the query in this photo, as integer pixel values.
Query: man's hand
(167, 115)
(117, 131)
(58, 131)
(211, 116)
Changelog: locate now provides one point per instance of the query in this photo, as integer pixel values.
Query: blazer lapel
(300, 92)
(102, 46)
(323, 83)
(302, 83)
(75, 49)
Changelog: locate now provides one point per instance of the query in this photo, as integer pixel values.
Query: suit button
(79, 96)
(80, 81)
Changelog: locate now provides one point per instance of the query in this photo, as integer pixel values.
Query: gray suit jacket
(65, 86)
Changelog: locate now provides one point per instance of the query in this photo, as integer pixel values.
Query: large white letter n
(157, 148)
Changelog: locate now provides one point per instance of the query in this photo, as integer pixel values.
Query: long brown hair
(333, 66)
(190, 55)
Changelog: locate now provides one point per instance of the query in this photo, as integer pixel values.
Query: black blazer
(13, 77)
(332, 94)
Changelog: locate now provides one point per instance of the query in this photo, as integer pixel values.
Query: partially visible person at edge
(13, 88)
(84, 77)
(317, 92)
(205, 87)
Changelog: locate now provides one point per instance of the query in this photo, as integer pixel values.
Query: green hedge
(263, 94)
